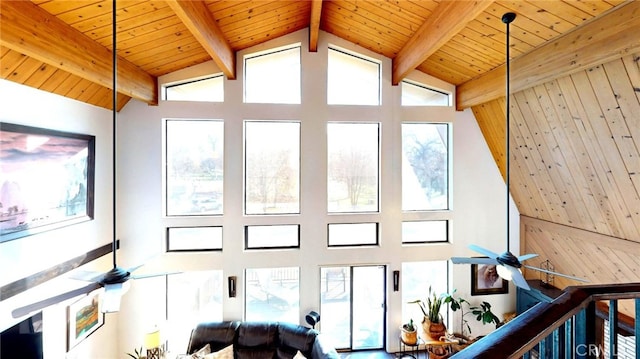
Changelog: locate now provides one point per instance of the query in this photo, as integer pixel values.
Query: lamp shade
(152, 339)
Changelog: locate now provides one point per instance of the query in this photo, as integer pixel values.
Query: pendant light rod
(507, 18)
(114, 114)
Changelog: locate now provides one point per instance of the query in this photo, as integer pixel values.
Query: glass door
(353, 306)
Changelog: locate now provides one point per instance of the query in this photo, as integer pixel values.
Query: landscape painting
(46, 179)
(85, 318)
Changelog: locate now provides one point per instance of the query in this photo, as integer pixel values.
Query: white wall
(28, 255)
(478, 213)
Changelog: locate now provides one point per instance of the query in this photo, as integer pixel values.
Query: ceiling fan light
(504, 272)
(110, 301)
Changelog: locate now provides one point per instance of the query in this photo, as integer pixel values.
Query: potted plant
(409, 334)
(433, 324)
(481, 312)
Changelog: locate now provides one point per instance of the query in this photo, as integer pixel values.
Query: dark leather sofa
(261, 340)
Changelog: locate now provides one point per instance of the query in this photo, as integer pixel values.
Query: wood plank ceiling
(575, 105)
(455, 41)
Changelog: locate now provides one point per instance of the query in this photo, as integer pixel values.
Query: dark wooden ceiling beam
(314, 24)
(198, 19)
(608, 37)
(30, 30)
(445, 22)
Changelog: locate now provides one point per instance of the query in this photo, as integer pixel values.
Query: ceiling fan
(115, 281)
(507, 264)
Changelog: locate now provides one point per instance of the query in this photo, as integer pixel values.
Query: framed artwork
(485, 280)
(84, 318)
(46, 181)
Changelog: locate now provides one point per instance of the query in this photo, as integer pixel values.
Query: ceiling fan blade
(556, 273)
(517, 277)
(151, 275)
(86, 276)
(524, 257)
(133, 269)
(473, 260)
(22, 311)
(484, 251)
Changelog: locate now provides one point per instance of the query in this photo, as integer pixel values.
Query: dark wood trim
(14, 288)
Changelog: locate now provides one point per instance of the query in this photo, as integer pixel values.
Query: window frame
(247, 247)
(268, 52)
(376, 243)
(167, 86)
(428, 88)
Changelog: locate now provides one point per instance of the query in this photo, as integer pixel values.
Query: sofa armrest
(322, 348)
(217, 334)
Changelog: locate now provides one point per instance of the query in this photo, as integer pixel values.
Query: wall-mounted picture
(85, 318)
(485, 280)
(46, 179)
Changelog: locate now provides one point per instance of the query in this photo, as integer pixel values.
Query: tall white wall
(28, 255)
(478, 213)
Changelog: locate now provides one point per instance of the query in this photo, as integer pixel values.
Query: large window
(273, 77)
(425, 166)
(210, 89)
(352, 79)
(353, 167)
(272, 167)
(194, 169)
(272, 294)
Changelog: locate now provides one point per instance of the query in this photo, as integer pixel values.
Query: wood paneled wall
(575, 169)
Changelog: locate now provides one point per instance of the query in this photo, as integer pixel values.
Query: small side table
(409, 350)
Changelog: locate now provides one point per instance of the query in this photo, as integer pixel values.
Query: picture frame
(47, 179)
(84, 318)
(485, 280)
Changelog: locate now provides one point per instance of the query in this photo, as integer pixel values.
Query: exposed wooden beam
(30, 30)
(608, 37)
(449, 18)
(314, 24)
(198, 19)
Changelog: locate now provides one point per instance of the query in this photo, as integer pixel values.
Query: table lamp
(152, 343)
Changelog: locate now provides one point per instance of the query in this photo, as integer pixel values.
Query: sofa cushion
(226, 353)
(218, 335)
(257, 335)
(295, 338)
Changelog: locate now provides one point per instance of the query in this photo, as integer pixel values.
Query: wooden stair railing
(571, 316)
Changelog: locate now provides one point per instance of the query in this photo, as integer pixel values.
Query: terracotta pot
(408, 337)
(439, 352)
(434, 330)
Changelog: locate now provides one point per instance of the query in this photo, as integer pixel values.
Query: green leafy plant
(481, 312)
(431, 307)
(137, 354)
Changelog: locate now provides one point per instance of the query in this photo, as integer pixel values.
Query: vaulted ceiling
(64, 46)
(575, 79)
